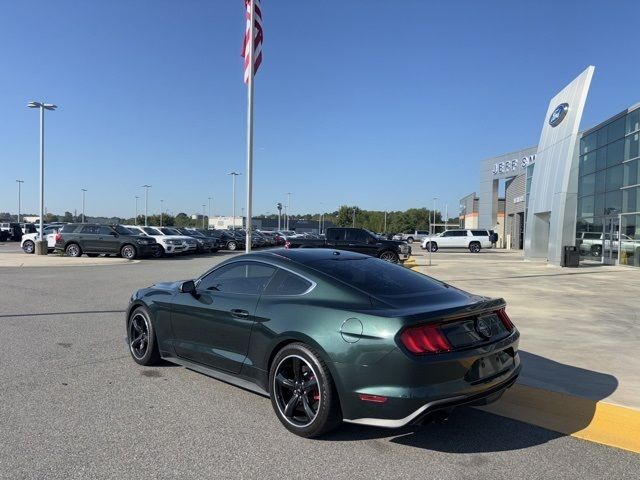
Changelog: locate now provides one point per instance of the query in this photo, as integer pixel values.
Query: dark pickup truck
(356, 240)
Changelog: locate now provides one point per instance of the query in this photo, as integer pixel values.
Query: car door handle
(237, 313)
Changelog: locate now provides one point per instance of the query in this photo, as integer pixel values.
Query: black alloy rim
(139, 336)
(296, 390)
(388, 257)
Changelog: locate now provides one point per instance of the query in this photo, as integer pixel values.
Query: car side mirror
(188, 287)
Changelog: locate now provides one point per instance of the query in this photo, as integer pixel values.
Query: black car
(227, 240)
(93, 239)
(357, 240)
(205, 244)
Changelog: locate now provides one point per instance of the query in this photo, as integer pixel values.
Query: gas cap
(351, 330)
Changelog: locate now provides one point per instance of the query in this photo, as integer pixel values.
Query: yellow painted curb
(579, 417)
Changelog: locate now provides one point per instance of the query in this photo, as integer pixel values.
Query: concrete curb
(591, 420)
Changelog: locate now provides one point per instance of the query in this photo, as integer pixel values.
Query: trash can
(570, 256)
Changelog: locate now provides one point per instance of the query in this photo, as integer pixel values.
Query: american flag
(257, 36)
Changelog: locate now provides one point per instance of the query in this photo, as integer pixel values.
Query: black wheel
(28, 246)
(302, 392)
(92, 255)
(141, 338)
(410, 240)
(232, 246)
(158, 252)
(596, 250)
(431, 246)
(389, 256)
(73, 250)
(474, 247)
(128, 252)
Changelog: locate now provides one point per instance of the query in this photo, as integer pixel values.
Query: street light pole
(146, 203)
(432, 229)
(209, 222)
(41, 247)
(203, 206)
(20, 182)
(161, 211)
(288, 209)
(135, 219)
(234, 175)
(84, 190)
(354, 218)
(385, 222)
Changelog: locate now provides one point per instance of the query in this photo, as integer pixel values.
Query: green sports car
(331, 336)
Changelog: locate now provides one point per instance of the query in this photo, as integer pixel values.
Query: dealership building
(575, 188)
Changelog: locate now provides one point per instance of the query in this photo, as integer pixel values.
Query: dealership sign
(558, 114)
(513, 166)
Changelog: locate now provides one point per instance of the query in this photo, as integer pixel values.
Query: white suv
(28, 242)
(170, 240)
(473, 239)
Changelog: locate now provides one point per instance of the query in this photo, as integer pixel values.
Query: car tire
(28, 246)
(596, 251)
(389, 256)
(310, 407)
(73, 250)
(410, 240)
(431, 246)
(158, 252)
(474, 247)
(128, 251)
(141, 338)
(232, 246)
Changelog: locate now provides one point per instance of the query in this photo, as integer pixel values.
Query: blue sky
(383, 104)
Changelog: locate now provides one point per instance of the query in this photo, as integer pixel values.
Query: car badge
(558, 114)
(483, 327)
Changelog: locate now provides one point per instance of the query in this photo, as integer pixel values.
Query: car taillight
(425, 339)
(58, 237)
(504, 318)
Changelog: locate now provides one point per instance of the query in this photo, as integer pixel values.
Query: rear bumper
(416, 417)
(413, 387)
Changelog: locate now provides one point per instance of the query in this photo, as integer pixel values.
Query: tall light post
(320, 218)
(209, 222)
(135, 219)
(20, 182)
(161, 210)
(432, 229)
(234, 175)
(146, 202)
(41, 245)
(279, 207)
(287, 211)
(84, 190)
(353, 223)
(385, 221)
(203, 207)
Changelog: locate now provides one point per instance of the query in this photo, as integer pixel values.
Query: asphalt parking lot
(74, 405)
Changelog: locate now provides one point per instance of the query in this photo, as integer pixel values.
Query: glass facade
(608, 223)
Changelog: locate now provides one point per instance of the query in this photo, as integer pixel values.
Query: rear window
(69, 228)
(95, 229)
(479, 233)
(378, 278)
(287, 283)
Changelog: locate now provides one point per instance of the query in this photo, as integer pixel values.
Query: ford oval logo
(558, 114)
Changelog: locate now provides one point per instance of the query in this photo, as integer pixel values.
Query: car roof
(306, 255)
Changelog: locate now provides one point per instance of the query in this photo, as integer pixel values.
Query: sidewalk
(21, 259)
(580, 339)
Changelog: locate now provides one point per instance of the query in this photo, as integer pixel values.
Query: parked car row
(133, 241)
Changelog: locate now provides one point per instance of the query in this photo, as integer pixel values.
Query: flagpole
(250, 129)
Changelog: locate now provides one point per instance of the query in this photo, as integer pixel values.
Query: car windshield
(152, 231)
(380, 279)
(124, 230)
(169, 231)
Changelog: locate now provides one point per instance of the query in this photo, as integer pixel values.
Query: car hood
(172, 237)
(172, 286)
(391, 242)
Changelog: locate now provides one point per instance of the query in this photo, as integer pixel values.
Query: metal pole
(288, 210)
(161, 210)
(209, 222)
(353, 224)
(203, 216)
(250, 128)
(41, 233)
(385, 222)
(135, 219)
(83, 192)
(20, 182)
(146, 203)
